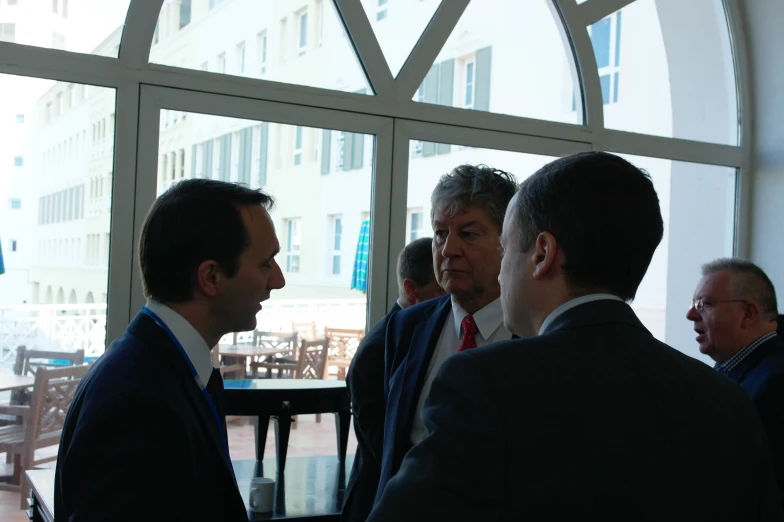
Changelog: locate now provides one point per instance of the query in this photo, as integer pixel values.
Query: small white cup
(262, 495)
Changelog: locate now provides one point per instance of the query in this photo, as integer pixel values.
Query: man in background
(587, 416)
(468, 206)
(145, 437)
(416, 283)
(735, 314)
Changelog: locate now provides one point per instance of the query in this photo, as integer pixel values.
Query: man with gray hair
(468, 207)
(735, 314)
(416, 283)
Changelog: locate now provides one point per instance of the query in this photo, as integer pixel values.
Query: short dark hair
(604, 213)
(748, 280)
(193, 221)
(469, 185)
(416, 262)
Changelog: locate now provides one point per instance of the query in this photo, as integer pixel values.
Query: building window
(7, 33)
(416, 222)
(606, 41)
(337, 243)
(293, 242)
(15, 204)
(470, 79)
(185, 13)
(12, 2)
(382, 9)
(20, 118)
(241, 57)
(18, 161)
(263, 52)
(13, 245)
(303, 33)
(214, 3)
(205, 66)
(298, 146)
(222, 63)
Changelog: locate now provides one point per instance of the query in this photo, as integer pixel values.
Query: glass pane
(505, 57)
(698, 207)
(302, 43)
(675, 63)
(55, 206)
(85, 26)
(323, 233)
(398, 26)
(430, 160)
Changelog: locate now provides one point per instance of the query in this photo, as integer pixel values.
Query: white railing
(53, 327)
(83, 326)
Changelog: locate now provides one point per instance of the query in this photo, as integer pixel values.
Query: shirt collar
(487, 319)
(577, 301)
(727, 366)
(192, 342)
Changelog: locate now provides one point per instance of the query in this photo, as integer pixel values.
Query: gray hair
(416, 262)
(747, 280)
(469, 185)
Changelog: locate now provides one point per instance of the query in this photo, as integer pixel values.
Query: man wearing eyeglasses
(735, 316)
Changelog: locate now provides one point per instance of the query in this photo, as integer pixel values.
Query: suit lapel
(423, 344)
(749, 362)
(145, 328)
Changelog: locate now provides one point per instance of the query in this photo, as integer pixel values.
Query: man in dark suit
(735, 316)
(468, 206)
(416, 283)
(145, 437)
(593, 418)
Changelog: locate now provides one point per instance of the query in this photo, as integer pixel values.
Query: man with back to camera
(735, 314)
(416, 283)
(593, 418)
(468, 206)
(145, 437)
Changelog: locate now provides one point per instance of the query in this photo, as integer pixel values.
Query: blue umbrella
(359, 274)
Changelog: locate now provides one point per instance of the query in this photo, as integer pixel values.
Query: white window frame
(336, 253)
(299, 139)
(293, 244)
(302, 32)
(263, 48)
(469, 82)
(241, 57)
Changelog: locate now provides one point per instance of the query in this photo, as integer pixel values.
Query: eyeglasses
(702, 304)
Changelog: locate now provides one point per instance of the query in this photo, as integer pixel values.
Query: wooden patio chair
(42, 424)
(343, 344)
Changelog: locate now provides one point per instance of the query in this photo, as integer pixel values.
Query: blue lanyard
(207, 397)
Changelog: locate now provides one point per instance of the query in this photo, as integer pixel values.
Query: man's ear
(544, 255)
(209, 277)
(751, 314)
(410, 287)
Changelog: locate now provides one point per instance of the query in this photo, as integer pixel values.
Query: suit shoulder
(416, 312)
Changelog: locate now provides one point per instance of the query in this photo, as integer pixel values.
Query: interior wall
(763, 21)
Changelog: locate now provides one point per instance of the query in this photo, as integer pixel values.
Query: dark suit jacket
(140, 441)
(365, 383)
(593, 420)
(761, 374)
(411, 338)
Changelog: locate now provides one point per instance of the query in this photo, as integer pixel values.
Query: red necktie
(469, 334)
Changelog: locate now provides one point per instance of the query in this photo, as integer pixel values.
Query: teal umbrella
(2, 265)
(359, 274)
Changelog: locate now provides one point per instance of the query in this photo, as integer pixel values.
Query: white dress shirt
(192, 342)
(568, 305)
(490, 325)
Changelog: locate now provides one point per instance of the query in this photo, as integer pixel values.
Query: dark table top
(311, 487)
(260, 397)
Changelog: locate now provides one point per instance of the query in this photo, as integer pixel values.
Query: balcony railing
(83, 326)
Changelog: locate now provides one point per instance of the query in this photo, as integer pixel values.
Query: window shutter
(348, 150)
(225, 158)
(207, 160)
(431, 96)
(326, 150)
(359, 151)
(482, 82)
(263, 146)
(246, 139)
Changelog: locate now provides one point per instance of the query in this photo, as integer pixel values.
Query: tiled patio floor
(310, 439)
